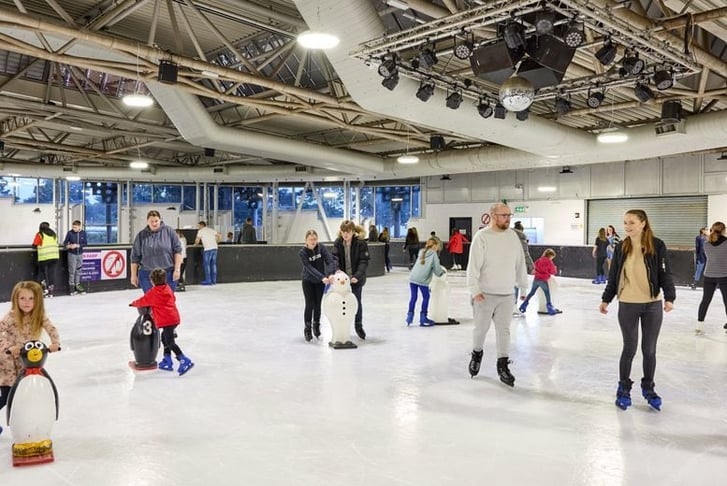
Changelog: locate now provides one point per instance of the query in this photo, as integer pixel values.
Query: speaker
(436, 143)
(495, 62)
(209, 152)
(671, 111)
(549, 59)
(167, 72)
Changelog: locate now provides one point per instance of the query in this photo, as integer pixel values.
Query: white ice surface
(262, 407)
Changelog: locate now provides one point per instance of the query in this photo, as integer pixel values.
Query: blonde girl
(426, 265)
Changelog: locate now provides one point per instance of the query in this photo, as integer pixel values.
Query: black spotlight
(633, 64)
(500, 111)
(574, 35)
(514, 35)
(562, 106)
(390, 82)
(663, 79)
(463, 49)
(607, 53)
(522, 115)
(425, 91)
(484, 109)
(544, 21)
(454, 100)
(428, 58)
(388, 68)
(643, 92)
(595, 99)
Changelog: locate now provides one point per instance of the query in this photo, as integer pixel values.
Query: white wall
(19, 224)
(561, 225)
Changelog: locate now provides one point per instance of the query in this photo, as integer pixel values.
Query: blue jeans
(542, 284)
(414, 289)
(210, 266)
(146, 284)
(698, 271)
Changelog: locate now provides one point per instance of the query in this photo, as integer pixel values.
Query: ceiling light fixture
(574, 35)
(484, 108)
(632, 64)
(454, 100)
(425, 91)
(137, 99)
(514, 35)
(73, 178)
(463, 49)
(595, 99)
(612, 136)
(663, 79)
(388, 67)
(643, 92)
(544, 22)
(547, 188)
(407, 158)
(138, 163)
(391, 82)
(607, 53)
(313, 39)
(428, 57)
(562, 106)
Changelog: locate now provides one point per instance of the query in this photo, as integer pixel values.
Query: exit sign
(520, 209)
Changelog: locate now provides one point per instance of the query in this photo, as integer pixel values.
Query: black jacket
(658, 271)
(359, 258)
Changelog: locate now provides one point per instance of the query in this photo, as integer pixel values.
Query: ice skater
(351, 256)
(640, 271)
(317, 262)
(715, 274)
(426, 265)
(24, 322)
(162, 302)
(544, 269)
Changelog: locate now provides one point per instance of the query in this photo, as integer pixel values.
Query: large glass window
(141, 193)
(395, 205)
(102, 215)
(167, 193)
(224, 198)
(248, 203)
(189, 198)
(332, 199)
(75, 192)
(6, 187)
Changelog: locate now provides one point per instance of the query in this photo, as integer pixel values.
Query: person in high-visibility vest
(46, 243)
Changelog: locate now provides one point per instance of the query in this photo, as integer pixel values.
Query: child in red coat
(544, 269)
(162, 302)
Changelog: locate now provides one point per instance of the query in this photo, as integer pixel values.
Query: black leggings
(650, 314)
(599, 266)
(313, 293)
(4, 392)
(710, 285)
(168, 341)
(47, 271)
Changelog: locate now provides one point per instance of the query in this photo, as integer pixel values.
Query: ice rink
(263, 407)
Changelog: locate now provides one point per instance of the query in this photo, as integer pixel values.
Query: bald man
(496, 265)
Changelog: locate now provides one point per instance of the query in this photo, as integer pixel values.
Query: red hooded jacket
(163, 305)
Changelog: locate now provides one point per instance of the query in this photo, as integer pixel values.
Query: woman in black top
(317, 265)
(384, 238)
(600, 253)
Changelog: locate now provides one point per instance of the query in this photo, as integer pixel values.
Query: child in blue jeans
(544, 269)
(426, 265)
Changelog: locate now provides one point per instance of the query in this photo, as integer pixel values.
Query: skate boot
(623, 394)
(166, 363)
(360, 330)
(307, 333)
(504, 371)
(475, 363)
(80, 289)
(317, 329)
(409, 318)
(424, 321)
(185, 364)
(50, 291)
(552, 310)
(699, 328)
(523, 307)
(647, 390)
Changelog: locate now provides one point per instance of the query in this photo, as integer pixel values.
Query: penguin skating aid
(144, 341)
(32, 408)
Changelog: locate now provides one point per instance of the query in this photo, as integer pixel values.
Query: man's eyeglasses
(504, 215)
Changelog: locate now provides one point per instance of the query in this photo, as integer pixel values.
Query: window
(395, 205)
(169, 194)
(248, 203)
(189, 198)
(102, 212)
(141, 193)
(332, 200)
